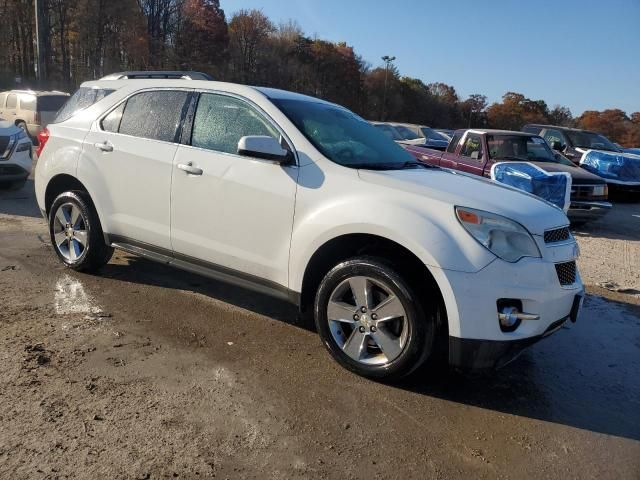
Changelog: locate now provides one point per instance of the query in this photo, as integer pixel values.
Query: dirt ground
(147, 372)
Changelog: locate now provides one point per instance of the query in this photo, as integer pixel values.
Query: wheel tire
(91, 255)
(420, 328)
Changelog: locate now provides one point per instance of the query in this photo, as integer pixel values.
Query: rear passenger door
(127, 164)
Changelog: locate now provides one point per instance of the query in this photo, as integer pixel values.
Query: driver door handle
(104, 146)
(189, 168)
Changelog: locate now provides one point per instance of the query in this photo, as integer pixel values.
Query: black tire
(420, 326)
(96, 253)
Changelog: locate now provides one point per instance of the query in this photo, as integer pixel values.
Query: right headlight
(501, 236)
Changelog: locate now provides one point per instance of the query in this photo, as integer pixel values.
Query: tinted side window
(154, 115)
(221, 122)
(53, 103)
(554, 136)
(472, 147)
(83, 98)
(453, 144)
(12, 100)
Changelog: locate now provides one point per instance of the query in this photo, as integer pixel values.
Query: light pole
(37, 5)
(387, 63)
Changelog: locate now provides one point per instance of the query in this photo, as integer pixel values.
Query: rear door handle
(189, 168)
(104, 146)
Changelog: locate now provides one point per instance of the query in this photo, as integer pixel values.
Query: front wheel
(371, 321)
(76, 233)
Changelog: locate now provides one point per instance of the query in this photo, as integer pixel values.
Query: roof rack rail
(151, 74)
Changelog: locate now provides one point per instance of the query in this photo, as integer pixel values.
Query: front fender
(438, 242)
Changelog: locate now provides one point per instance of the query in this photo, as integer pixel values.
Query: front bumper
(472, 302)
(581, 211)
(473, 354)
(18, 166)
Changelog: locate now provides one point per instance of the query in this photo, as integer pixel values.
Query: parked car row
(412, 134)
(595, 153)
(476, 151)
(302, 199)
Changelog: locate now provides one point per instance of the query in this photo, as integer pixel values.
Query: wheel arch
(345, 246)
(61, 183)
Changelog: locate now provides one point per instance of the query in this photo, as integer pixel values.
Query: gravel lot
(148, 372)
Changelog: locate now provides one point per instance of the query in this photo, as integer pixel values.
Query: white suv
(299, 198)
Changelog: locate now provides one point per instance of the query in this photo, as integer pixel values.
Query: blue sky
(581, 54)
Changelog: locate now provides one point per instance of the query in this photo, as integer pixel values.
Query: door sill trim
(201, 267)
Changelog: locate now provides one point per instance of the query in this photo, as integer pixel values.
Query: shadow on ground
(584, 376)
(19, 202)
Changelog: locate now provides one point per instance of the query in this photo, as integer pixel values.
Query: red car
(475, 151)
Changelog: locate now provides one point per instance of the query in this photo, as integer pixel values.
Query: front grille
(4, 143)
(584, 192)
(557, 235)
(566, 272)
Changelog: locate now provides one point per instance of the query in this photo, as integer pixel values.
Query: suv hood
(441, 188)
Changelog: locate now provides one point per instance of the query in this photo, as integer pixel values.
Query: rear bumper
(473, 354)
(585, 210)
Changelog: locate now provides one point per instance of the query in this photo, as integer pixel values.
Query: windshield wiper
(388, 166)
(412, 164)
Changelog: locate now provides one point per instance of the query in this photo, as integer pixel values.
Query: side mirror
(557, 146)
(259, 146)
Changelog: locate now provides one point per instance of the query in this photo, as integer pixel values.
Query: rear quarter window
(83, 98)
(154, 115)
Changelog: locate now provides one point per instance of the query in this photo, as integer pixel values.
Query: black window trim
(188, 129)
(177, 138)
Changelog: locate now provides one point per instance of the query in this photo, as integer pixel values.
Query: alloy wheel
(367, 320)
(70, 232)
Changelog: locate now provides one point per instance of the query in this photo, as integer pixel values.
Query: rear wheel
(371, 321)
(76, 233)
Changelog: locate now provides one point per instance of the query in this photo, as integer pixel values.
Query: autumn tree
(249, 31)
(202, 39)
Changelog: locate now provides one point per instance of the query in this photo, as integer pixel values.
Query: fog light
(509, 318)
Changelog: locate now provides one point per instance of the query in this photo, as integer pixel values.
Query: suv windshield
(343, 137)
(591, 140)
(519, 148)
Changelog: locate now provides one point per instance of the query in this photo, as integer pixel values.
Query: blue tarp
(615, 166)
(553, 187)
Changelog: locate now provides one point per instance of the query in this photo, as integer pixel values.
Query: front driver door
(234, 212)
